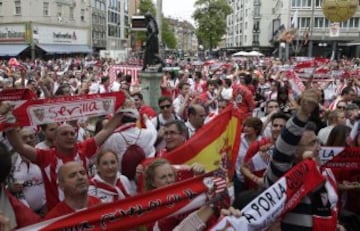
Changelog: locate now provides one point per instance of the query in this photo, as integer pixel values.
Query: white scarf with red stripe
(103, 189)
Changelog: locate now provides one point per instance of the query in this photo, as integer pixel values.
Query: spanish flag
(215, 145)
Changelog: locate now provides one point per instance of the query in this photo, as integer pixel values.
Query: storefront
(38, 40)
(13, 40)
(60, 40)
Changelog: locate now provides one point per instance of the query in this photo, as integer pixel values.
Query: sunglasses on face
(165, 106)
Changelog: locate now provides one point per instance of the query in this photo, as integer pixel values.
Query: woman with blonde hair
(108, 184)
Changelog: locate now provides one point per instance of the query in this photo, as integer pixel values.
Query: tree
(145, 6)
(168, 37)
(210, 19)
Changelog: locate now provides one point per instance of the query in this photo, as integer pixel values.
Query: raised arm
(108, 129)
(14, 138)
(283, 156)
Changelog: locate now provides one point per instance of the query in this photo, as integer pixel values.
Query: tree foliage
(168, 36)
(210, 18)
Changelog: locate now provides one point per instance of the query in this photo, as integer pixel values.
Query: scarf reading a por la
(139, 210)
(60, 109)
(277, 200)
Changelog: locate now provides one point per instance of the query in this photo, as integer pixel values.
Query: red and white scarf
(283, 196)
(117, 191)
(54, 110)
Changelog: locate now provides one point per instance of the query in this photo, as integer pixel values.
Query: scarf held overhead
(61, 109)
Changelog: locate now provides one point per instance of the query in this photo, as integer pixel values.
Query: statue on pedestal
(151, 62)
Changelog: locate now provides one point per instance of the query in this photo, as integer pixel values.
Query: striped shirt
(300, 218)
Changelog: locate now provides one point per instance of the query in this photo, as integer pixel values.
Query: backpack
(132, 157)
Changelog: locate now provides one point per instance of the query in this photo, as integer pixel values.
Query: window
(257, 11)
(82, 15)
(112, 31)
(327, 23)
(300, 3)
(1, 8)
(71, 13)
(344, 24)
(17, 7)
(112, 4)
(318, 3)
(58, 10)
(46, 8)
(256, 27)
(304, 22)
(256, 39)
(354, 22)
(319, 22)
(306, 3)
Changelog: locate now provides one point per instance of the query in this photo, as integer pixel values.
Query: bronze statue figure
(151, 54)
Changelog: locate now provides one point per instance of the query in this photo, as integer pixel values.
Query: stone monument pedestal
(150, 88)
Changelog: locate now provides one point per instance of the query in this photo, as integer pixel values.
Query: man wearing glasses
(175, 134)
(166, 115)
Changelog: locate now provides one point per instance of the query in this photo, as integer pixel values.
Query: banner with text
(135, 211)
(340, 158)
(277, 200)
(44, 111)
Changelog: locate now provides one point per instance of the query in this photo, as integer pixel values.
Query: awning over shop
(12, 49)
(65, 49)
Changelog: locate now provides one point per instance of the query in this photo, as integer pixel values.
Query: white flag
(294, 21)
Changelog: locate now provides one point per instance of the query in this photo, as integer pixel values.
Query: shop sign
(12, 33)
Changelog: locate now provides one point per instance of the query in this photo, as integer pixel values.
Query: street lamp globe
(339, 10)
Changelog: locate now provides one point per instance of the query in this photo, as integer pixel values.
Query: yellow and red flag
(216, 143)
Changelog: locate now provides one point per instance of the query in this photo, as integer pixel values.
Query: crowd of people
(60, 168)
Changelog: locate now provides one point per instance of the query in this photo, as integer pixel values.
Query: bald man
(73, 180)
(66, 149)
(196, 117)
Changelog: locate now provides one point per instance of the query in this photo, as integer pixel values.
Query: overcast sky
(181, 9)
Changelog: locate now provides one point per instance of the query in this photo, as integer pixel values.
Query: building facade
(98, 24)
(36, 28)
(249, 26)
(186, 40)
(117, 24)
(44, 27)
(254, 24)
(321, 42)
